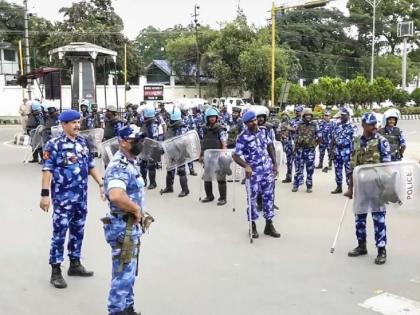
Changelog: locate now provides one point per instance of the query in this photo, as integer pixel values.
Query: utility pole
(404, 65)
(374, 4)
(197, 25)
(405, 30)
(273, 53)
(27, 55)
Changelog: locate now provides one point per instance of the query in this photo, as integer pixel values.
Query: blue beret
(69, 115)
(130, 132)
(248, 116)
(299, 109)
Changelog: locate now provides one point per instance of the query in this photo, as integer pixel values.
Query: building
(9, 63)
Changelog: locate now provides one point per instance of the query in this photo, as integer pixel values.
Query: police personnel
(326, 127)
(260, 168)
(124, 189)
(370, 148)
(214, 137)
(150, 129)
(113, 124)
(393, 134)
(67, 165)
(307, 138)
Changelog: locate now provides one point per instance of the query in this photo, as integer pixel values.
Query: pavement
(197, 259)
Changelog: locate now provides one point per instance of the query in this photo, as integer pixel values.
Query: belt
(120, 215)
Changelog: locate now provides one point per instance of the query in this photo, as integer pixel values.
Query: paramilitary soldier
(124, 189)
(260, 168)
(67, 165)
(214, 137)
(370, 148)
(150, 129)
(113, 124)
(307, 138)
(176, 127)
(394, 135)
(326, 127)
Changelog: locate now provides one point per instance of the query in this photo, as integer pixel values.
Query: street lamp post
(27, 55)
(197, 25)
(374, 4)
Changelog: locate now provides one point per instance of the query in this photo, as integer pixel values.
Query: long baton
(339, 226)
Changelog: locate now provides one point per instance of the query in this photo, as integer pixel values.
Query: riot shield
(152, 150)
(182, 149)
(56, 131)
(217, 165)
(94, 138)
(279, 152)
(379, 185)
(36, 137)
(108, 149)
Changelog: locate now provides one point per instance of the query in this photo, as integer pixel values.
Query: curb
(403, 117)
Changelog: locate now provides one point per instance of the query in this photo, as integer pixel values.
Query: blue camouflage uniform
(225, 118)
(178, 131)
(199, 122)
(189, 121)
(378, 215)
(305, 154)
(122, 173)
(326, 129)
(70, 163)
(343, 136)
(288, 147)
(254, 148)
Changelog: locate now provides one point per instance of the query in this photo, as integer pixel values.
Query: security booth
(84, 57)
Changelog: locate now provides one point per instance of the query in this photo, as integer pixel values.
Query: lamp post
(374, 4)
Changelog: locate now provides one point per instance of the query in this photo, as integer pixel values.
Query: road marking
(415, 280)
(10, 144)
(412, 133)
(390, 304)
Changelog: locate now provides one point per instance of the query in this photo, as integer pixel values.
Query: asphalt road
(197, 259)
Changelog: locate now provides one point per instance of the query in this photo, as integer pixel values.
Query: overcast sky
(138, 14)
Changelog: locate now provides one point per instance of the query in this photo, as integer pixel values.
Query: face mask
(136, 148)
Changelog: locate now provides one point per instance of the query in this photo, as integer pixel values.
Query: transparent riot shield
(94, 138)
(217, 165)
(36, 137)
(56, 131)
(279, 152)
(181, 150)
(152, 150)
(378, 185)
(108, 149)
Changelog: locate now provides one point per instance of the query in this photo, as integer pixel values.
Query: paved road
(197, 259)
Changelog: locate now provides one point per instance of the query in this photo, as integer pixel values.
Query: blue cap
(248, 116)
(69, 115)
(369, 119)
(130, 132)
(299, 109)
(344, 111)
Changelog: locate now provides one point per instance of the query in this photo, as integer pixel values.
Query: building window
(9, 55)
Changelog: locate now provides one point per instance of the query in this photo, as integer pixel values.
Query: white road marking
(10, 144)
(390, 304)
(412, 132)
(415, 280)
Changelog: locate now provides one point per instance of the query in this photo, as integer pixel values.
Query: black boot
(183, 181)
(222, 191)
(254, 232)
(77, 269)
(381, 258)
(270, 230)
(338, 190)
(57, 279)
(169, 185)
(35, 158)
(208, 188)
(359, 250)
(286, 180)
(319, 166)
(152, 178)
(193, 173)
(130, 311)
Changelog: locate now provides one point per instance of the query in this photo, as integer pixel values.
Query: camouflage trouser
(148, 167)
(304, 158)
(323, 147)
(70, 217)
(121, 294)
(288, 149)
(378, 224)
(342, 159)
(262, 185)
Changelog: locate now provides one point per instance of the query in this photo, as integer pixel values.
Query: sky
(138, 14)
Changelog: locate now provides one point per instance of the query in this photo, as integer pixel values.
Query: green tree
(335, 89)
(316, 94)
(298, 94)
(400, 97)
(415, 96)
(382, 89)
(360, 92)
